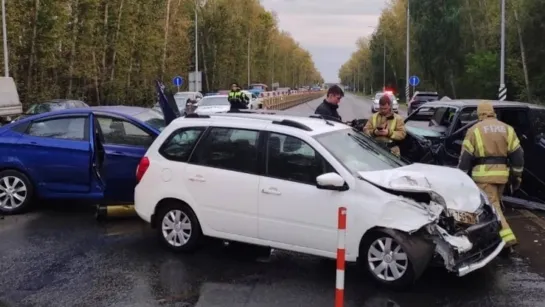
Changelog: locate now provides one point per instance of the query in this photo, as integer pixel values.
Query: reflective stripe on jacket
(396, 127)
(489, 142)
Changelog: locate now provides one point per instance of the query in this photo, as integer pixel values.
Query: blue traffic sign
(178, 81)
(414, 80)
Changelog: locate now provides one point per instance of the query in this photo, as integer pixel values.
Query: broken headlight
(484, 198)
(486, 202)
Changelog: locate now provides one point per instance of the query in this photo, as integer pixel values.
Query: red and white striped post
(341, 253)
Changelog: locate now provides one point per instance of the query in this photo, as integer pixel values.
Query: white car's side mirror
(331, 181)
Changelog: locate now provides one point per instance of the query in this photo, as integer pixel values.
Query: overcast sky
(327, 28)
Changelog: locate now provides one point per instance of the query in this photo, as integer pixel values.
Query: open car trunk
(166, 101)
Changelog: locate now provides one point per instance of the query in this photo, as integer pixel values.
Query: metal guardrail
(291, 100)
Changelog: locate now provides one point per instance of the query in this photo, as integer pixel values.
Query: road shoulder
(529, 228)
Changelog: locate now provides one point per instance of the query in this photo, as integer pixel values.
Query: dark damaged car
(435, 132)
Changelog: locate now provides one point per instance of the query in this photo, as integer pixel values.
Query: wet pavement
(351, 107)
(61, 256)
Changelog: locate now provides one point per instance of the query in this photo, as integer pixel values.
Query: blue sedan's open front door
(98, 157)
(167, 102)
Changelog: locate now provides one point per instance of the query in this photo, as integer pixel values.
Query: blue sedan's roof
(126, 110)
(120, 110)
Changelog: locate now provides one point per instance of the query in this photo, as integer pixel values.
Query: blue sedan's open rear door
(168, 104)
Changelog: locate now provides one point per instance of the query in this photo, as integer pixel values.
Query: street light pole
(248, 60)
(5, 38)
(407, 51)
(384, 66)
(502, 94)
(196, 47)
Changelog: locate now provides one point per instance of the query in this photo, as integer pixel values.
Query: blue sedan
(85, 154)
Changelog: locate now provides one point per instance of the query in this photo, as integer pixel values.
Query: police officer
(488, 148)
(328, 108)
(386, 126)
(237, 98)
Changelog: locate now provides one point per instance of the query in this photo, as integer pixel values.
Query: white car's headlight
(486, 202)
(484, 198)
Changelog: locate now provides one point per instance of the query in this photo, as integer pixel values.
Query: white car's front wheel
(178, 227)
(387, 260)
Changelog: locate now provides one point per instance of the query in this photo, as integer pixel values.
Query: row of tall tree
(111, 51)
(454, 49)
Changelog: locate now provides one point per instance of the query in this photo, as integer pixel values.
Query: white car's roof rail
(276, 121)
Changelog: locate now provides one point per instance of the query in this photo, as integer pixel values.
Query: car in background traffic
(436, 130)
(84, 154)
(52, 105)
(182, 102)
(419, 98)
(393, 99)
(278, 181)
(254, 101)
(213, 104)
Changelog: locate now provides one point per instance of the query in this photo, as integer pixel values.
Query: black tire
(387, 279)
(195, 234)
(20, 183)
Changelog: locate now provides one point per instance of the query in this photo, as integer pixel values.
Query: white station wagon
(278, 181)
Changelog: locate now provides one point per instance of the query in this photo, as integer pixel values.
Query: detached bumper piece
(487, 244)
(116, 211)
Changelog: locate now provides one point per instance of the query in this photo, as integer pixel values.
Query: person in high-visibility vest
(237, 98)
(386, 126)
(491, 151)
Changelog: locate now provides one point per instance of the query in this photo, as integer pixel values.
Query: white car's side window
(179, 145)
(292, 159)
(228, 148)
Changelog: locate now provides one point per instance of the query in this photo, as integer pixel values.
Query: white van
(10, 105)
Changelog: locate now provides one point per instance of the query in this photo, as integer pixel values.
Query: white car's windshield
(214, 101)
(358, 152)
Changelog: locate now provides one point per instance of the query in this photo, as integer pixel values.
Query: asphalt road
(61, 256)
(351, 107)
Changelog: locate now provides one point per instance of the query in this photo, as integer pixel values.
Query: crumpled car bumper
(473, 266)
(470, 249)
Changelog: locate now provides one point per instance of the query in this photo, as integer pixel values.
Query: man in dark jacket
(328, 108)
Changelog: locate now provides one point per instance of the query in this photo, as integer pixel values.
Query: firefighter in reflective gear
(237, 98)
(491, 151)
(386, 126)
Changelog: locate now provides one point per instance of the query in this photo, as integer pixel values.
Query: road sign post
(178, 81)
(413, 81)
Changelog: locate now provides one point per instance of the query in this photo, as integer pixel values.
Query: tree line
(454, 49)
(112, 51)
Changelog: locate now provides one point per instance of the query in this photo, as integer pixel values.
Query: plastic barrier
(341, 253)
(287, 101)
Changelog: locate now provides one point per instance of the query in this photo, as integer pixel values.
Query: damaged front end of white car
(462, 228)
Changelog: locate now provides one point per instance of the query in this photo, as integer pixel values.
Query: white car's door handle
(197, 178)
(272, 191)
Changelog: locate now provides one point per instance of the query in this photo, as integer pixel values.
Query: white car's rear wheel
(178, 227)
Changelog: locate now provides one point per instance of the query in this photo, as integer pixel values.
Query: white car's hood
(212, 109)
(457, 188)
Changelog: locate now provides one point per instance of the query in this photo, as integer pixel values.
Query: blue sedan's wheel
(16, 192)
